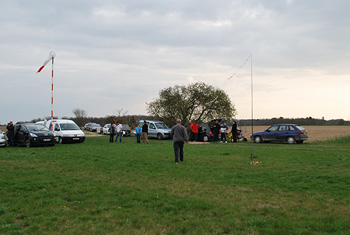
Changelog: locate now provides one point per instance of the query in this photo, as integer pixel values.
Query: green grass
(102, 188)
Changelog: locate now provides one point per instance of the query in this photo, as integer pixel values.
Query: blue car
(289, 133)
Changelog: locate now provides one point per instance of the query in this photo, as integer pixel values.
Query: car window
(151, 126)
(273, 128)
(292, 128)
(69, 126)
(283, 128)
(161, 125)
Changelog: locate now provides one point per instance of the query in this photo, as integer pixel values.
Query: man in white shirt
(119, 132)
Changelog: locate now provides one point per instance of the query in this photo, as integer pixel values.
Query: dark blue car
(289, 133)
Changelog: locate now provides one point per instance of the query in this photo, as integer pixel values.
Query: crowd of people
(179, 134)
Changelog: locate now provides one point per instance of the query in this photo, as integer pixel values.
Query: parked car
(32, 134)
(204, 133)
(3, 139)
(95, 127)
(157, 129)
(126, 130)
(289, 133)
(88, 125)
(66, 131)
(105, 130)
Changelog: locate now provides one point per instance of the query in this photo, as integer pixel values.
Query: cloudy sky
(116, 55)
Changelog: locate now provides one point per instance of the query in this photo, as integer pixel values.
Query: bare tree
(80, 116)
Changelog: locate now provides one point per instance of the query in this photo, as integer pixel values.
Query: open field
(103, 188)
(315, 133)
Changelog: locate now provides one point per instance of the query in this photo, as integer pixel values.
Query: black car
(31, 134)
(204, 133)
(126, 130)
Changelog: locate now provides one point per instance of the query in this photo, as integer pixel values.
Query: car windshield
(69, 126)
(273, 128)
(161, 125)
(34, 127)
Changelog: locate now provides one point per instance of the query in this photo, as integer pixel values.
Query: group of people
(221, 127)
(117, 130)
(179, 134)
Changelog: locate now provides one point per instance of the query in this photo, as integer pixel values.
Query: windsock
(51, 57)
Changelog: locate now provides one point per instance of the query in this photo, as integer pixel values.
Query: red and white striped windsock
(52, 55)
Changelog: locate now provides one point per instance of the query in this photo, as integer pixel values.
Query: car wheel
(291, 140)
(28, 143)
(257, 139)
(205, 138)
(159, 136)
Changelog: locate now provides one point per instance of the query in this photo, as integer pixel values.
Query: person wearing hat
(223, 129)
(179, 134)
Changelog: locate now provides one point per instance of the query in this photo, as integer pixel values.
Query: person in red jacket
(194, 128)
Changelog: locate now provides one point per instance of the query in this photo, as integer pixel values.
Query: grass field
(102, 188)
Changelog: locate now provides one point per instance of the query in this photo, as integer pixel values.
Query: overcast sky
(117, 55)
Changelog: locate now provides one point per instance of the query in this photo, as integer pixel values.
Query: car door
(271, 134)
(283, 132)
(152, 131)
(21, 135)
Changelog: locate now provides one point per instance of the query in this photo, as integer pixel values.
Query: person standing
(119, 132)
(223, 129)
(216, 129)
(144, 132)
(11, 133)
(138, 134)
(111, 132)
(194, 130)
(179, 134)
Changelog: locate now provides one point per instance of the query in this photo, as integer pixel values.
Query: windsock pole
(53, 59)
(52, 56)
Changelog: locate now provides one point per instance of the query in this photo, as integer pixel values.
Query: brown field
(315, 133)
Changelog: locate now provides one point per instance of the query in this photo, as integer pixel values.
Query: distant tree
(80, 116)
(197, 101)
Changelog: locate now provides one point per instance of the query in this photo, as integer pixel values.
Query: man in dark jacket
(11, 134)
(144, 133)
(179, 134)
(216, 129)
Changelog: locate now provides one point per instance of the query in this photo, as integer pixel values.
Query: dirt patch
(315, 133)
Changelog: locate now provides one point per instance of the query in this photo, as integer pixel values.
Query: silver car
(3, 139)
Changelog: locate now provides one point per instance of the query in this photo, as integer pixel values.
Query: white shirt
(119, 127)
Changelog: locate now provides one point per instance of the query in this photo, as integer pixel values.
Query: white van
(65, 131)
(157, 129)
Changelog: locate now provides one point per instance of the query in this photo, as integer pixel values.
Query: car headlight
(33, 135)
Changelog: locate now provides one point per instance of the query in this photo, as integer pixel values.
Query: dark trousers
(216, 136)
(138, 137)
(223, 136)
(111, 138)
(179, 146)
(11, 141)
